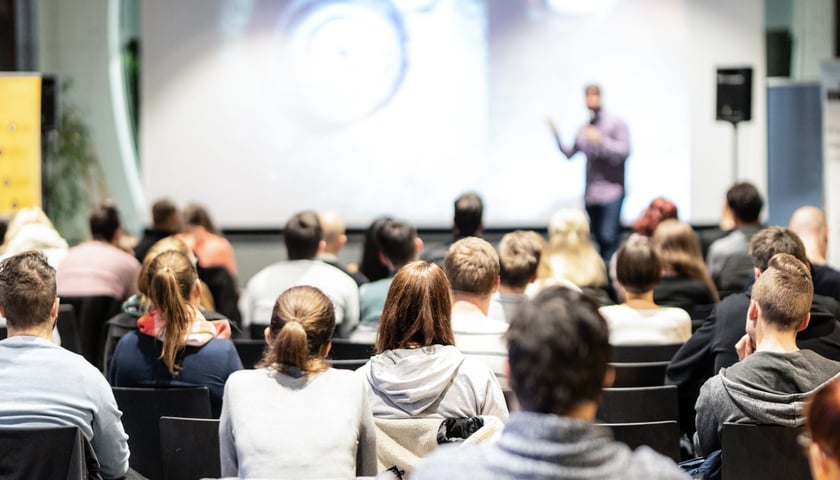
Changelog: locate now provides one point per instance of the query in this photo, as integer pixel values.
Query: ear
(267, 335)
(325, 350)
(805, 322)
(756, 273)
(118, 233)
(2, 313)
(754, 311)
(609, 377)
(196, 292)
(496, 284)
(342, 240)
(322, 246)
(54, 309)
(418, 247)
(384, 261)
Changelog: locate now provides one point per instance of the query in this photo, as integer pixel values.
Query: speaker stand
(734, 152)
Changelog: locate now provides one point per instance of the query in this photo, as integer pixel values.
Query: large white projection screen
(371, 107)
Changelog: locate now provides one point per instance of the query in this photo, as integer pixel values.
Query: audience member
(809, 223)
(165, 222)
(659, 210)
(466, 222)
(559, 349)
(44, 384)
(417, 370)
(99, 267)
(335, 237)
(30, 229)
(773, 377)
(296, 415)
(728, 260)
(685, 281)
(519, 258)
(303, 237)
(472, 266)
(175, 344)
(640, 321)
(822, 427)
(203, 238)
(371, 267)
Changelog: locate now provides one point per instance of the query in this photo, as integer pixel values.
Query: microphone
(593, 117)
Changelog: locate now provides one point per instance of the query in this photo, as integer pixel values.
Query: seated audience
(773, 377)
(472, 267)
(685, 282)
(417, 370)
(30, 229)
(335, 237)
(165, 222)
(99, 267)
(203, 238)
(809, 224)
(44, 384)
(821, 439)
(371, 266)
(175, 344)
(303, 237)
(519, 258)
(639, 320)
(728, 259)
(559, 349)
(466, 222)
(659, 210)
(296, 417)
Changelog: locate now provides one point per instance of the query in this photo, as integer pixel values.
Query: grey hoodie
(435, 381)
(766, 388)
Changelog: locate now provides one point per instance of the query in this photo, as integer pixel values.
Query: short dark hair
(196, 215)
(27, 289)
(468, 212)
(302, 235)
(558, 349)
(770, 241)
(519, 257)
(165, 216)
(396, 239)
(745, 202)
(637, 267)
(104, 222)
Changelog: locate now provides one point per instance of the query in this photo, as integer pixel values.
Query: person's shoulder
(451, 461)
(676, 313)
(646, 463)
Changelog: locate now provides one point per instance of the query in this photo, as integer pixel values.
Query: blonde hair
(679, 251)
(472, 266)
(570, 254)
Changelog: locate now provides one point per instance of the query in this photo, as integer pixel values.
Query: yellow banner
(20, 142)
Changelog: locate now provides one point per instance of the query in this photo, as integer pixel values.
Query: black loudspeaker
(734, 94)
(50, 106)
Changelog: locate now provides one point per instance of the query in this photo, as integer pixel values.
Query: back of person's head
(28, 220)
(469, 209)
(417, 310)
(196, 215)
(822, 425)
(784, 291)
(472, 266)
(104, 222)
(171, 279)
(163, 245)
(370, 266)
(571, 254)
(302, 325)
(558, 349)
(27, 289)
(678, 249)
(303, 235)
(519, 257)
(745, 202)
(637, 267)
(397, 240)
(334, 231)
(808, 220)
(660, 209)
(165, 216)
(768, 242)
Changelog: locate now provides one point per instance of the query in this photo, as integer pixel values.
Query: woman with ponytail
(295, 417)
(175, 345)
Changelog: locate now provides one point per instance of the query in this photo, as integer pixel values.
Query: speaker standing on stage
(606, 144)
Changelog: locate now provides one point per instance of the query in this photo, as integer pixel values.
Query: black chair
(347, 364)
(68, 329)
(3, 333)
(641, 374)
(644, 353)
(58, 453)
(343, 349)
(250, 351)
(142, 409)
(189, 448)
(663, 437)
(767, 452)
(116, 328)
(639, 404)
(91, 314)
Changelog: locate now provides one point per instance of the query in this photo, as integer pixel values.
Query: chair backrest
(91, 313)
(768, 452)
(44, 453)
(142, 409)
(189, 448)
(641, 374)
(644, 353)
(343, 349)
(68, 328)
(3, 332)
(250, 351)
(116, 328)
(663, 437)
(638, 404)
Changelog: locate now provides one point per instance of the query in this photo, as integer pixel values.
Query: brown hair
(196, 215)
(772, 240)
(472, 266)
(165, 216)
(659, 210)
(27, 289)
(302, 235)
(166, 244)
(784, 291)
(637, 266)
(519, 257)
(170, 279)
(822, 418)
(678, 249)
(418, 309)
(302, 323)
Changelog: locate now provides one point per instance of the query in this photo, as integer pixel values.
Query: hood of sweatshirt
(413, 379)
(200, 332)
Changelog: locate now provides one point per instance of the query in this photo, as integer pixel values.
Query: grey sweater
(544, 446)
(765, 388)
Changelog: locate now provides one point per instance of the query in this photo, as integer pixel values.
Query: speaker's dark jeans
(605, 222)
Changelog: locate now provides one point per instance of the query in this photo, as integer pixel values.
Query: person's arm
(366, 453)
(227, 447)
(494, 399)
(350, 311)
(615, 146)
(567, 152)
(689, 368)
(708, 418)
(110, 442)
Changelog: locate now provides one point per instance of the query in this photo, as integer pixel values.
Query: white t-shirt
(631, 326)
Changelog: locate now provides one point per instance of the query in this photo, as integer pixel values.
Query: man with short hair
(519, 258)
(809, 223)
(99, 267)
(559, 349)
(467, 221)
(335, 237)
(166, 221)
(728, 260)
(304, 238)
(773, 378)
(44, 384)
(472, 266)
